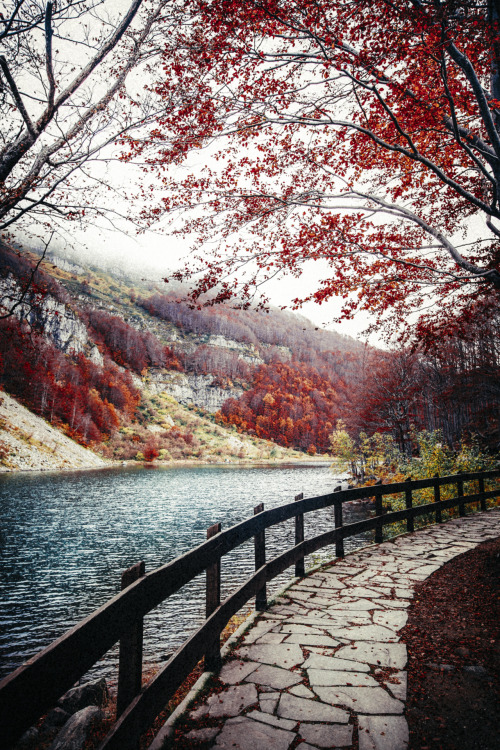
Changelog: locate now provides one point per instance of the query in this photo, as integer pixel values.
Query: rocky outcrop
(188, 388)
(246, 351)
(70, 724)
(57, 320)
(89, 694)
(76, 732)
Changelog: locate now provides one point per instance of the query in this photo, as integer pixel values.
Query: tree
(364, 135)
(64, 103)
(390, 397)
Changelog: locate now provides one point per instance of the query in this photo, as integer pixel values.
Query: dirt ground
(454, 655)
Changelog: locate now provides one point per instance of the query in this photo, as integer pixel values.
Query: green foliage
(436, 458)
(377, 454)
(378, 457)
(345, 451)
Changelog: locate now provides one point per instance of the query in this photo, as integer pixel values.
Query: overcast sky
(154, 254)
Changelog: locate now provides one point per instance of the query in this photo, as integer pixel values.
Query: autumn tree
(362, 135)
(390, 397)
(291, 404)
(69, 88)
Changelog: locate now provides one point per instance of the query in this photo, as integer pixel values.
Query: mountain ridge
(165, 355)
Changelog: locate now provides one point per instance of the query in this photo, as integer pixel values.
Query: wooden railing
(34, 688)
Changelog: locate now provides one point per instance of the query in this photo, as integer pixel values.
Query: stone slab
(230, 702)
(380, 654)
(361, 591)
(301, 709)
(392, 619)
(272, 720)
(365, 700)
(259, 629)
(327, 677)
(202, 735)
(383, 733)
(271, 638)
(274, 677)
(300, 628)
(281, 654)
(304, 639)
(326, 735)
(268, 702)
(318, 661)
(245, 734)
(365, 633)
(353, 603)
(398, 685)
(301, 691)
(337, 618)
(235, 671)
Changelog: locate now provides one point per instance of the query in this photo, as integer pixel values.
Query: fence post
(130, 658)
(339, 542)
(260, 560)
(481, 491)
(460, 493)
(410, 526)
(379, 534)
(213, 659)
(300, 569)
(437, 499)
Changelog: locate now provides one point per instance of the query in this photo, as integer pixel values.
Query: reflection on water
(66, 537)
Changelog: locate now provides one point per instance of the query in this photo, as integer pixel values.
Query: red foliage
(363, 135)
(291, 404)
(90, 401)
(151, 452)
(127, 346)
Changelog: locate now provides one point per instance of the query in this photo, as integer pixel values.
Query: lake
(66, 537)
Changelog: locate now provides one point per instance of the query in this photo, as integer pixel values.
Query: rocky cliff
(57, 320)
(187, 388)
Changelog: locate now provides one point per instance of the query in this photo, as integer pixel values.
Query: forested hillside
(133, 370)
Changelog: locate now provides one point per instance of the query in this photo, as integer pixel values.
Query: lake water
(66, 537)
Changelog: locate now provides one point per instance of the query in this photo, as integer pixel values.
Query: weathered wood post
(437, 499)
(300, 569)
(339, 543)
(460, 493)
(481, 492)
(130, 658)
(260, 560)
(410, 526)
(213, 661)
(379, 533)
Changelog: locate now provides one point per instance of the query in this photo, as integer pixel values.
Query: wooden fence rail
(34, 688)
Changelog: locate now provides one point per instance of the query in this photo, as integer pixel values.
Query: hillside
(135, 373)
(29, 443)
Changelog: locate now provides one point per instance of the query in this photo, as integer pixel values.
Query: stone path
(323, 667)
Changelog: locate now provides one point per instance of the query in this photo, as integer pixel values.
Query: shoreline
(174, 464)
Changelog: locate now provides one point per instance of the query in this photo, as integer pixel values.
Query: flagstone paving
(323, 666)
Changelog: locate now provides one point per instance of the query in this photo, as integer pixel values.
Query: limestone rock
(76, 732)
(89, 694)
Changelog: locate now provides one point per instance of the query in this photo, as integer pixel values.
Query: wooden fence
(34, 688)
